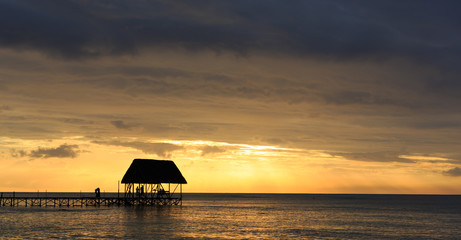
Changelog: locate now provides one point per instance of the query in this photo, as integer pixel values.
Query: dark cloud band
(417, 30)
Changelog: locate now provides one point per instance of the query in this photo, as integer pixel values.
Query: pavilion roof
(153, 171)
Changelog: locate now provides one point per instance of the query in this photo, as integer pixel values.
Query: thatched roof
(153, 171)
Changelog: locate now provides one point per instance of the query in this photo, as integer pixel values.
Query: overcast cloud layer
(363, 81)
(419, 30)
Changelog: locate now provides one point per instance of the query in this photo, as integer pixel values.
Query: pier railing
(54, 200)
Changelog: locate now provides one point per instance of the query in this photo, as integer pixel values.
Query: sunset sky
(326, 96)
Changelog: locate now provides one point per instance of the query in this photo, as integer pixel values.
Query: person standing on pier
(97, 191)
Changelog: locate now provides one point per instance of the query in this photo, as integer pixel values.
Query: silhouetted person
(161, 192)
(142, 190)
(137, 191)
(97, 191)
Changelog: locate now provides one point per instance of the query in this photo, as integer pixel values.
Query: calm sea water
(247, 216)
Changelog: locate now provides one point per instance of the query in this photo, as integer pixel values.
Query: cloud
(103, 68)
(5, 108)
(18, 153)
(75, 121)
(383, 156)
(63, 151)
(160, 149)
(211, 150)
(121, 124)
(275, 141)
(330, 29)
(454, 172)
(356, 97)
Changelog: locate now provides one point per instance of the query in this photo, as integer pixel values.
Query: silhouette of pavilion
(153, 182)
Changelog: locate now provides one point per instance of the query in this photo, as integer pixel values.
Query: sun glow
(425, 158)
(76, 163)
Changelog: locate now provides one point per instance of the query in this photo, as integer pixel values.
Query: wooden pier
(147, 182)
(13, 201)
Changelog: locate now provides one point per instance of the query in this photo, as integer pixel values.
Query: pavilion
(154, 181)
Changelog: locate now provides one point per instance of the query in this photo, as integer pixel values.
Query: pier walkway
(63, 201)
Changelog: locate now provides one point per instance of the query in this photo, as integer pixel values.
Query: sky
(262, 96)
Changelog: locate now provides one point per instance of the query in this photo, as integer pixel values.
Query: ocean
(247, 216)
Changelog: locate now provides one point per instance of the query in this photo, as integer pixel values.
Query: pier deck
(85, 201)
